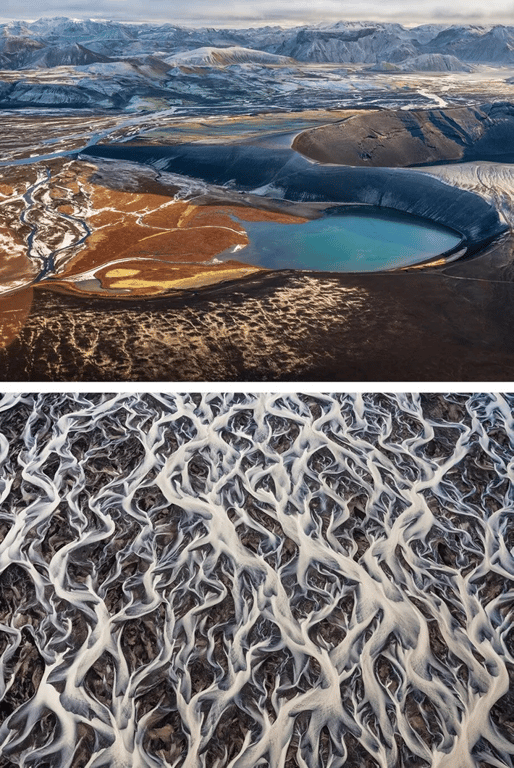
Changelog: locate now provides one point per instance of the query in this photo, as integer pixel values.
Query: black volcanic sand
(428, 325)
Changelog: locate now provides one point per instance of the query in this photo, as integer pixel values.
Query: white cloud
(260, 12)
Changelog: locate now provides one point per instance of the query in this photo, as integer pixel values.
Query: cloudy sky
(258, 12)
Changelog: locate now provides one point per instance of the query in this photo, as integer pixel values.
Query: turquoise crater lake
(360, 241)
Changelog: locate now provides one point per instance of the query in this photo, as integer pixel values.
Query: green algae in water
(348, 242)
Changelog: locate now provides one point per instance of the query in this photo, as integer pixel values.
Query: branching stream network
(238, 580)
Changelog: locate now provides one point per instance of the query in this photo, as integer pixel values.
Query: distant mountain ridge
(426, 62)
(95, 64)
(220, 57)
(56, 41)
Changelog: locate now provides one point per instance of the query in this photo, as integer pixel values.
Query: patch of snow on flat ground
(493, 181)
(438, 100)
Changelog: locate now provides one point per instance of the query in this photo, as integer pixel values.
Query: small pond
(355, 241)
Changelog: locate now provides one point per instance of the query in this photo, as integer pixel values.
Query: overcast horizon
(249, 13)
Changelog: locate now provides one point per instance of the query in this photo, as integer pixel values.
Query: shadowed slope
(413, 137)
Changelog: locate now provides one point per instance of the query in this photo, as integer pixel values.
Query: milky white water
(256, 580)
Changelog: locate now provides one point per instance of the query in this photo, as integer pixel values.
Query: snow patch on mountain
(426, 62)
(222, 57)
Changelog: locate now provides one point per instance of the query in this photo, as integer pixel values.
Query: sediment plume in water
(238, 580)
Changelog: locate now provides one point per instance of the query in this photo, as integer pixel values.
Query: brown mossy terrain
(14, 231)
(157, 244)
(108, 241)
(140, 254)
(131, 240)
(126, 243)
(15, 268)
(152, 277)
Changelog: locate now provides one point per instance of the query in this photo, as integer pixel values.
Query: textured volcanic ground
(437, 326)
(256, 581)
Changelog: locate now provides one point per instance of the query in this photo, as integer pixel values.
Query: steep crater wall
(284, 174)
(401, 138)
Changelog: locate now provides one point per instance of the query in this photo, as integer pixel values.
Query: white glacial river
(238, 580)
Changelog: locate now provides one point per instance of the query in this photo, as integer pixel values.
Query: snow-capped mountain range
(107, 64)
(55, 41)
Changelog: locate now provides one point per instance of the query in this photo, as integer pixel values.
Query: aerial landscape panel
(236, 580)
(242, 193)
(319, 201)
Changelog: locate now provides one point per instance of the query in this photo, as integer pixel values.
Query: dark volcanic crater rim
(397, 138)
(284, 174)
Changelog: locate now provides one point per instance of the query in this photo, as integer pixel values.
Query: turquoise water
(348, 242)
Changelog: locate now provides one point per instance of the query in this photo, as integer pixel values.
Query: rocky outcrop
(350, 43)
(435, 62)
(51, 95)
(404, 138)
(488, 45)
(62, 55)
(15, 51)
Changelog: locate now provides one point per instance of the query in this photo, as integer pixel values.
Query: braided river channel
(256, 580)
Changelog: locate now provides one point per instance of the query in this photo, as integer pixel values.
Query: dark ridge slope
(282, 173)
(61, 55)
(402, 138)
